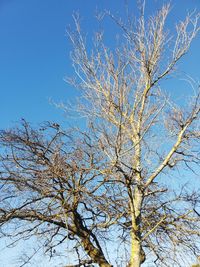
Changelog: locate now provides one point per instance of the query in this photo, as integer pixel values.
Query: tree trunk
(94, 252)
(137, 254)
(105, 265)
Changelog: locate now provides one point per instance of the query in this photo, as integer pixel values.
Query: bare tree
(143, 134)
(117, 181)
(50, 188)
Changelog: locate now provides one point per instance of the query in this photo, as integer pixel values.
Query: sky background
(34, 52)
(34, 56)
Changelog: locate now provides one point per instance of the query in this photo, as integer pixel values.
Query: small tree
(113, 181)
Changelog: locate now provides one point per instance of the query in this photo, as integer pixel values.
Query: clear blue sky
(34, 54)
